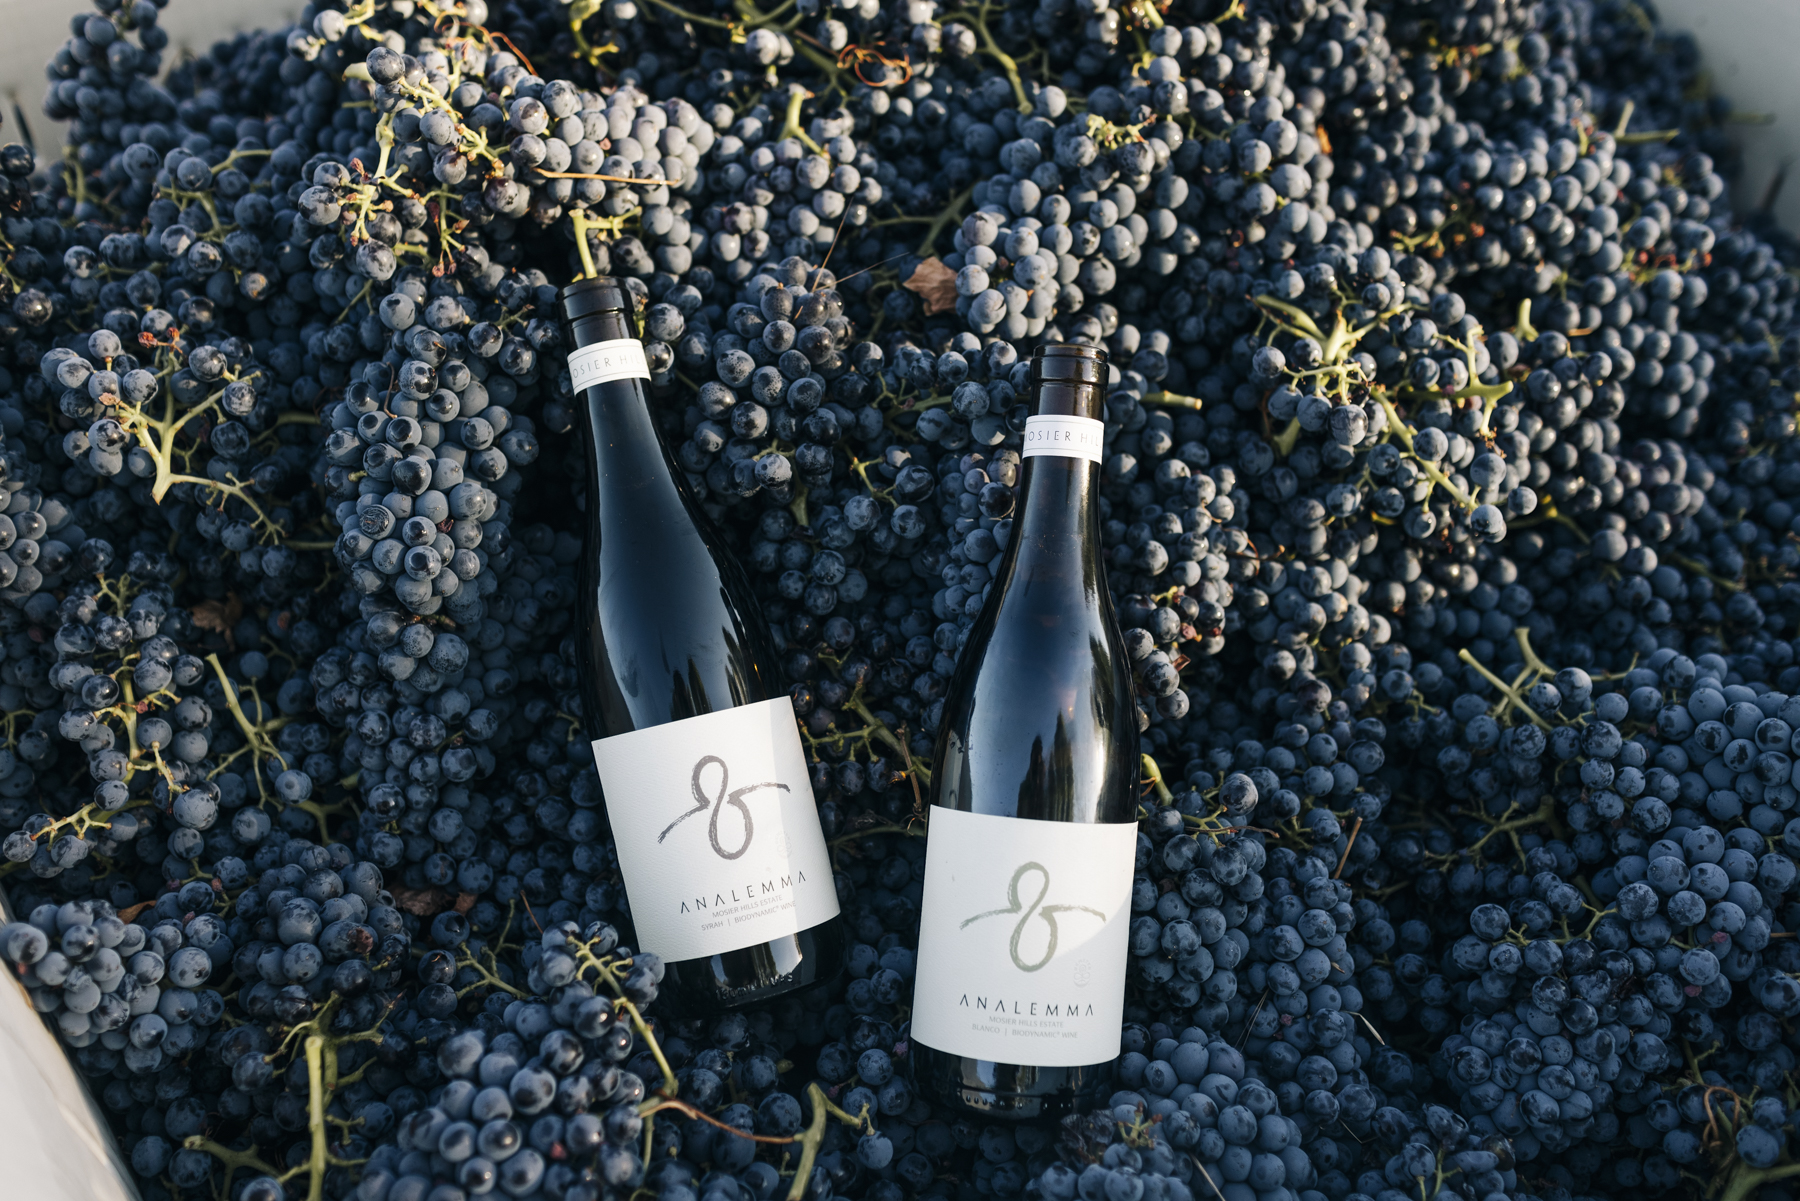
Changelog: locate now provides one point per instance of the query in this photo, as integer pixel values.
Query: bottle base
(754, 975)
(1008, 1092)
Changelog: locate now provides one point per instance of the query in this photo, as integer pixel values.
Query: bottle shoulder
(1041, 725)
(669, 624)
(1042, 644)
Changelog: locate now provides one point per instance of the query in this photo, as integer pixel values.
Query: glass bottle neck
(638, 478)
(1059, 503)
(619, 409)
(608, 325)
(1059, 499)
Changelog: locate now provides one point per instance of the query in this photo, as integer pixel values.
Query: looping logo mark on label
(1037, 909)
(734, 798)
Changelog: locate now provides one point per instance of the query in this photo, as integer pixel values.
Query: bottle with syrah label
(1020, 989)
(725, 866)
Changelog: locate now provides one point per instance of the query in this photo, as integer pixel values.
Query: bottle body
(705, 784)
(1019, 996)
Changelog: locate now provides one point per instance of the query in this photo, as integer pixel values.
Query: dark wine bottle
(1019, 995)
(725, 866)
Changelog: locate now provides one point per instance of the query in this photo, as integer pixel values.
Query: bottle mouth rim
(1069, 362)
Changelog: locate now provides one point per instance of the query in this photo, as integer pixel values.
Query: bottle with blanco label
(1019, 993)
(705, 783)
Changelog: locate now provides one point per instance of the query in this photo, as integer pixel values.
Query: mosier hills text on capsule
(1061, 436)
(747, 892)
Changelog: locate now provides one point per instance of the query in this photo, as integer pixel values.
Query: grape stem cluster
(1336, 364)
(258, 742)
(157, 436)
(320, 1051)
(612, 970)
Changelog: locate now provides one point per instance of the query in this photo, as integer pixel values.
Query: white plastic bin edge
(35, 29)
(1745, 52)
(55, 1141)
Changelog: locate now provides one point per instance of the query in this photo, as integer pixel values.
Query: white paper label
(717, 833)
(621, 358)
(1071, 437)
(1022, 939)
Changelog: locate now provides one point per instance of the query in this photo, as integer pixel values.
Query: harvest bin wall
(56, 1141)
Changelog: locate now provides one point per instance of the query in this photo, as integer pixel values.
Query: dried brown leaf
(422, 902)
(221, 617)
(935, 284)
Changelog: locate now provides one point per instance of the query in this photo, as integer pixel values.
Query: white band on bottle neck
(620, 358)
(1070, 437)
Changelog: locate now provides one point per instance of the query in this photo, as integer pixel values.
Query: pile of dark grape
(1451, 503)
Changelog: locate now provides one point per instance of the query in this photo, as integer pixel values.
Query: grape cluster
(127, 995)
(1447, 504)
